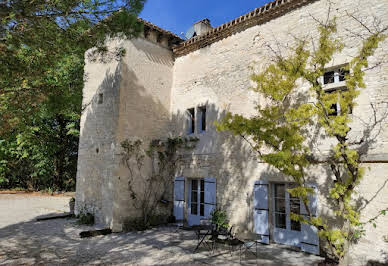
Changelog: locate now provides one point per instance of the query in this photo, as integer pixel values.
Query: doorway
(196, 201)
(286, 231)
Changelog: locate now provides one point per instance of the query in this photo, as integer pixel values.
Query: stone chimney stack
(202, 26)
(199, 28)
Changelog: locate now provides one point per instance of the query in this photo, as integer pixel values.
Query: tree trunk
(345, 260)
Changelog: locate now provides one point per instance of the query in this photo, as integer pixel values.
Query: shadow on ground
(57, 242)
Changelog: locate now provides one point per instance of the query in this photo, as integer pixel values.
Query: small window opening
(342, 73)
(334, 108)
(328, 77)
(97, 150)
(191, 120)
(202, 111)
(100, 98)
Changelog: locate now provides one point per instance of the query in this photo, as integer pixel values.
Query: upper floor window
(196, 120)
(191, 120)
(202, 118)
(333, 81)
(335, 75)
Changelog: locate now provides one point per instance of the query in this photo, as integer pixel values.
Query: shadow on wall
(96, 155)
(127, 109)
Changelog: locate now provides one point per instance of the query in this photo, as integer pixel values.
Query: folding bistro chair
(250, 242)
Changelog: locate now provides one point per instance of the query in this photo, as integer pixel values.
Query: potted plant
(219, 218)
(72, 204)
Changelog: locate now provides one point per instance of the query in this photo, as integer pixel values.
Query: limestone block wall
(97, 161)
(218, 76)
(146, 81)
(125, 99)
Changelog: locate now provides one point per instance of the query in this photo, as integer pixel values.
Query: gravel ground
(25, 241)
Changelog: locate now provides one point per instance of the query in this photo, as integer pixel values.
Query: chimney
(199, 28)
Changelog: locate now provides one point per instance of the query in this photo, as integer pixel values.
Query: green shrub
(219, 218)
(85, 218)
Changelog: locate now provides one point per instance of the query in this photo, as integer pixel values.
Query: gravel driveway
(24, 241)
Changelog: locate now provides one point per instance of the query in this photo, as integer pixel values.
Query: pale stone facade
(147, 93)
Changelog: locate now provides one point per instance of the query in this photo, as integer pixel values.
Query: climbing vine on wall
(151, 171)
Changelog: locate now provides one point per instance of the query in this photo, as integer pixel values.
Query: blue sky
(178, 15)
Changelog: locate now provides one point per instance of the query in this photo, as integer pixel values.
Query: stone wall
(146, 95)
(218, 76)
(97, 160)
(136, 99)
(143, 111)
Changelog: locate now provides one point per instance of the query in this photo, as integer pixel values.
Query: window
(202, 117)
(342, 73)
(191, 120)
(280, 206)
(335, 76)
(294, 208)
(284, 204)
(328, 77)
(335, 108)
(194, 196)
(332, 78)
(100, 98)
(202, 198)
(197, 197)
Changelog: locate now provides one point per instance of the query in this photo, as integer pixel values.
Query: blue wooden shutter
(310, 240)
(261, 211)
(210, 195)
(179, 198)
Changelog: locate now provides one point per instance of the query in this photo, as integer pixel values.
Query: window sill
(331, 86)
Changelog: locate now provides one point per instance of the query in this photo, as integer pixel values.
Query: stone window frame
(195, 119)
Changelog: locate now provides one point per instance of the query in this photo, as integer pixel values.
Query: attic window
(191, 121)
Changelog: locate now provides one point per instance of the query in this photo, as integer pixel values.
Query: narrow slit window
(100, 98)
(191, 121)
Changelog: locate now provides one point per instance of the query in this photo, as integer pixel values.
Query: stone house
(165, 86)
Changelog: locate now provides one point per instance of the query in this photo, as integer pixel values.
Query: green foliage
(219, 218)
(280, 130)
(85, 218)
(42, 50)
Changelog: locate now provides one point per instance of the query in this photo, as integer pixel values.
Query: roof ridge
(155, 27)
(257, 16)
